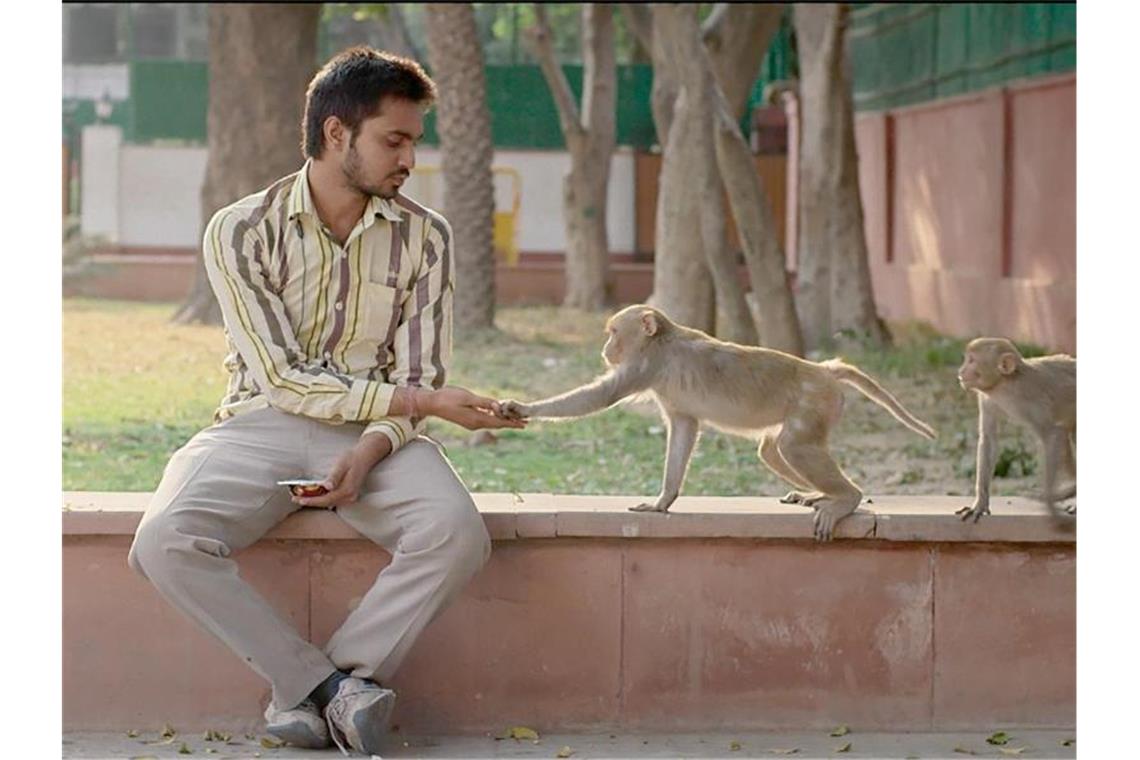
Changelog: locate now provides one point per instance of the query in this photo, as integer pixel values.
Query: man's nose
(407, 158)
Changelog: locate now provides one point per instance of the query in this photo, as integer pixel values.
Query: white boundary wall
(147, 195)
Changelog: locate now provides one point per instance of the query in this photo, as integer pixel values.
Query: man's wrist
(422, 401)
(373, 447)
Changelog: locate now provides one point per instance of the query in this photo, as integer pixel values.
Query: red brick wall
(970, 207)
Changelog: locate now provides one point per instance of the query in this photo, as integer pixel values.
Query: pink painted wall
(970, 208)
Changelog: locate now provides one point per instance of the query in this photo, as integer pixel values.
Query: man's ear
(335, 133)
(1007, 363)
(649, 323)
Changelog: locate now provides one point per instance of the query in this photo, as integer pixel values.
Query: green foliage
(1014, 461)
(136, 387)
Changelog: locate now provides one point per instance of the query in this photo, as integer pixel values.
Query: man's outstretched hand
(464, 408)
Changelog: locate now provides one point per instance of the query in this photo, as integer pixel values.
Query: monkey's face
(985, 366)
(626, 333)
(611, 351)
(972, 374)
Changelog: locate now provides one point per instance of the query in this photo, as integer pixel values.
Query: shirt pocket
(381, 310)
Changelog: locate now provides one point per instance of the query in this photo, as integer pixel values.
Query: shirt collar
(301, 200)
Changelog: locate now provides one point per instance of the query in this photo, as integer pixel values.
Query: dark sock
(326, 689)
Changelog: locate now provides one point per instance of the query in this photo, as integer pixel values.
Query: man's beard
(353, 171)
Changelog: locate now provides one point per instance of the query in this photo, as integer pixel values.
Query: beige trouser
(219, 494)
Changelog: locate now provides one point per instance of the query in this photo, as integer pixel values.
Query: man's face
(382, 153)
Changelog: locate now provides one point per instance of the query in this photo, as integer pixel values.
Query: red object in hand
(304, 487)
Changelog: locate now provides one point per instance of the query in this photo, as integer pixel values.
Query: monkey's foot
(806, 498)
(965, 513)
(828, 515)
(648, 508)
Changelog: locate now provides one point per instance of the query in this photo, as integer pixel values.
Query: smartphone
(304, 486)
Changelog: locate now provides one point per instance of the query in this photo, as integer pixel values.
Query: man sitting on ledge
(336, 293)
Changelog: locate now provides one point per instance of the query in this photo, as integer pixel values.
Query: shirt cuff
(398, 430)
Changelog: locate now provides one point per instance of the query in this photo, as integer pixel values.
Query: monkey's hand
(975, 510)
(662, 504)
(514, 410)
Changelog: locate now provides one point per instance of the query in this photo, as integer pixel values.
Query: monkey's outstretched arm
(682, 436)
(601, 394)
(987, 447)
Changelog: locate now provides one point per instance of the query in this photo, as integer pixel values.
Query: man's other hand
(349, 472)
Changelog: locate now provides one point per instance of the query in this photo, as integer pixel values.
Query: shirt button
(328, 354)
(339, 305)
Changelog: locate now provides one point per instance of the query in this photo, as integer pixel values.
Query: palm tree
(464, 126)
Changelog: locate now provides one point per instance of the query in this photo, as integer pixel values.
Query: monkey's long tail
(869, 387)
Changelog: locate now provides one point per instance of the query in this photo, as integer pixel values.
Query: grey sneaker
(358, 715)
(302, 726)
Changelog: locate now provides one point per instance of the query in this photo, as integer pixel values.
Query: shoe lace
(332, 715)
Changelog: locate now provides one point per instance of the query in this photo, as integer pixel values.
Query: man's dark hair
(351, 85)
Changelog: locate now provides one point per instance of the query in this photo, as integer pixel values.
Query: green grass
(137, 387)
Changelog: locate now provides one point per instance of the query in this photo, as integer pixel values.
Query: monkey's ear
(649, 323)
(1007, 363)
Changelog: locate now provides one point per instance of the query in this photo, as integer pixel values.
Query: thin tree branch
(639, 20)
(539, 39)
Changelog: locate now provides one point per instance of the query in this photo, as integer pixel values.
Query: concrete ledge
(543, 515)
(722, 615)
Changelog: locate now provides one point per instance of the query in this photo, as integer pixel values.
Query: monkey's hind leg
(841, 496)
(770, 455)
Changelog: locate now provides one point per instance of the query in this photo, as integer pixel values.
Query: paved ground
(1027, 744)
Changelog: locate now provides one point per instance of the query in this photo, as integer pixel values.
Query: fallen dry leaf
(845, 748)
(1013, 750)
(964, 751)
(132, 733)
(184, 750)
(790, 751)
(998, 738)
(734, 746)
(271, 743)
(565, 752)
(520, 733)
(168, 732)
(841, 731)
(1068, 742)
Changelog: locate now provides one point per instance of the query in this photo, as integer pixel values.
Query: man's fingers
(326, 501)
(478, 420)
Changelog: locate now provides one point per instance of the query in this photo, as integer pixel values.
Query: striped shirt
(329, 331)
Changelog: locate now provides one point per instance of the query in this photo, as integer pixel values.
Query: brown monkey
(1040, 393)
(785, 402)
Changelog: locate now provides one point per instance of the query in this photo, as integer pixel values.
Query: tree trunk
(737, 36)
(590, 137)
(640, 20)
(778, 326)
(251, 83)
(733, 319)
(394, 35)
(464, 126)
(834, 282)
(682, 286)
